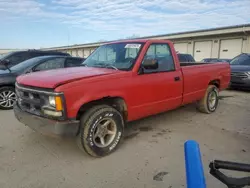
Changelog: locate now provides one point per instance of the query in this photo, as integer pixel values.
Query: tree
(133, 36)
(101, 40)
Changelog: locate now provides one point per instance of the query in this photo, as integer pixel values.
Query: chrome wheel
(7, 98)
(105, 132)
(212, 99)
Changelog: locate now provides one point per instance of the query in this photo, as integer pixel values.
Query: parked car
(14, 58)
(240, 71)
(215, 60)
(41, 63)
(225, 60)
(121, 82)
(185, 58)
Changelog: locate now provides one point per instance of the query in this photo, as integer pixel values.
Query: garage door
(230, 48)
(86, 52)
(69, 52)
(181, 47)
(80, 53)
(202, 50)
(74, 53)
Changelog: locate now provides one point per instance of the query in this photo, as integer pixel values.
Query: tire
(7, 98)
(205, 105)
(91, 124)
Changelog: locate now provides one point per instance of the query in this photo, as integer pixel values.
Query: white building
(4, 51)
(224, 42)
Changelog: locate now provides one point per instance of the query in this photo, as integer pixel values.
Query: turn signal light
(59, 105)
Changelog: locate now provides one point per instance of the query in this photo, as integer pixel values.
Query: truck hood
(240, 68)
(54, 78)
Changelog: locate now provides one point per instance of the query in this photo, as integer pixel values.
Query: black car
(8, 76)
(13, 58)
(215, 60)
(240, 71)
(185, 58)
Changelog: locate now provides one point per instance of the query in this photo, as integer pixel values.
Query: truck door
(160, 89)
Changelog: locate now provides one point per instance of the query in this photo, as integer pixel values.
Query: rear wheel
(209, 102)
(7, 98)
(101, 130)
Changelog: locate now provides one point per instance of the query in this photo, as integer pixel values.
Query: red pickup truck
(119, 82)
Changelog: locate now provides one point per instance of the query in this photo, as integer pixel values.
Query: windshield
(242, 59)
(182, 58)
(185, 58)
(120, 56)
(26, 64)
(209, 60)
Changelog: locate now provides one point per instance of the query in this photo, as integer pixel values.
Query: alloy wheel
(105, 132)
(212, 99)
(7, 98)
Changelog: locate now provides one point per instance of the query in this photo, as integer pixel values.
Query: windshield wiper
(5, 64)
(111, 66)
(84, 65)
(105, 65)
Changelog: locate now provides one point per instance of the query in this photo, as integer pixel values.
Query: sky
(51, 23)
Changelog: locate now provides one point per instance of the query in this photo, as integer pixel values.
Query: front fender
(7, 81)
(90, 97)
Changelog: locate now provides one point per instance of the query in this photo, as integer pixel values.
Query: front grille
(31, 101)
(239, 75)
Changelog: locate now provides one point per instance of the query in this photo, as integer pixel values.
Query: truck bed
(184, 64)
(196, 75)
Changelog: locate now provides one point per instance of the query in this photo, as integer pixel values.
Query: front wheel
(101, 130)
(7, 97)
(209, 102)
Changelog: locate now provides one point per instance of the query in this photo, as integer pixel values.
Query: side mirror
(5, 62)
(28, 71)
(34, 70)
(150, 64)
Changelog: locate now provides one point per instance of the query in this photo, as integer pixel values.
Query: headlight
(248, 73)
(57, 106)
(52, 101)
(56, 102)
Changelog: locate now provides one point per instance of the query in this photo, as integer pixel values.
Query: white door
(80, 53)
(74, 53)
(230, 48)
(181, 47)
(86, 52)
(202, 50)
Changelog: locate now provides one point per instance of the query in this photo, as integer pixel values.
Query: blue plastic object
(194, 168)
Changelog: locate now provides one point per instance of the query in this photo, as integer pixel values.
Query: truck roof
(140, 40)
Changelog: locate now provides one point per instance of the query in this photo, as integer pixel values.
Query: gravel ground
(151, 156)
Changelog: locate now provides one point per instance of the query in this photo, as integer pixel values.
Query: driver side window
(161, 53)
(54, 63)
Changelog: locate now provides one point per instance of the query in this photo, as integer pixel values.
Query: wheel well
(215, 82)
(117, 102)
(7, 85)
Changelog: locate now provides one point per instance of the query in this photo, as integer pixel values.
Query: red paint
(56, 77)
(144, 94)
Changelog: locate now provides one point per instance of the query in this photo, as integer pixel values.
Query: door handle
(177, 78)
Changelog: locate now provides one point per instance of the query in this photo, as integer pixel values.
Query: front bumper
(46, 126)
(240, 83)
